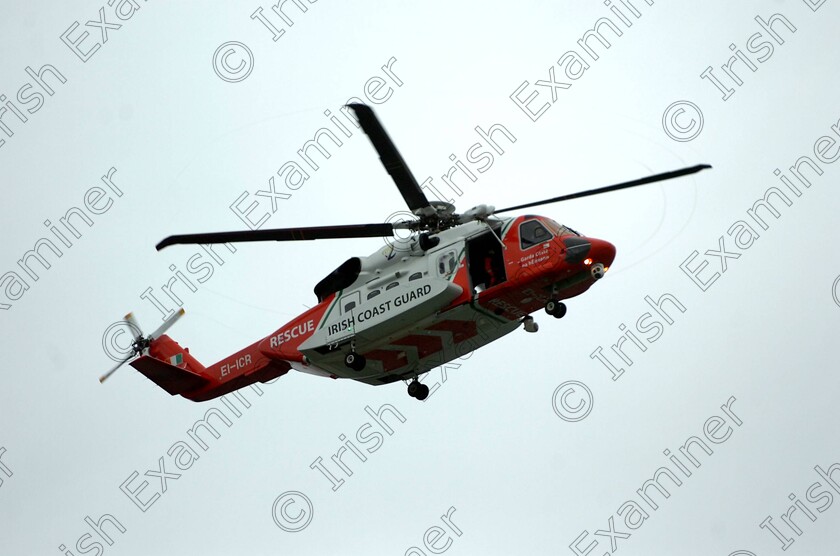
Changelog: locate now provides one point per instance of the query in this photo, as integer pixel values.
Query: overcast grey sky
(120, 125)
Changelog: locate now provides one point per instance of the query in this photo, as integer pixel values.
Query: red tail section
(168, 350)
(171, 367)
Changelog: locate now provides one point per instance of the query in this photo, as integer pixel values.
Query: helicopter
(460, 282)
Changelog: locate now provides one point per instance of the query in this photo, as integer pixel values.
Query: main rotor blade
(391, 158)
(616, 187)
(283, 234)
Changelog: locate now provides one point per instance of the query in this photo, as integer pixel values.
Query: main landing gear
(555, 308)
(417, 390)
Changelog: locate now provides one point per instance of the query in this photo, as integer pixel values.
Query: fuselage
(464, 281)
(407, 310)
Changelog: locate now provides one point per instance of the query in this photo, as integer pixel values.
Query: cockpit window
(531, 233)
(559, 229)
(553, 226)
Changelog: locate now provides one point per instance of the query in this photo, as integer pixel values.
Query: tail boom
(171, 367)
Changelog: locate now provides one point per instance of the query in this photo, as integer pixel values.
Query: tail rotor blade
(104, 377)
(134, 325)
(166, 325)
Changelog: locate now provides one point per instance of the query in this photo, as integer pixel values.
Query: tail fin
(172, 367)
(167, 349)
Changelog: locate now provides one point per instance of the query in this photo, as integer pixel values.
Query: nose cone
(577, 248)
(602, 251)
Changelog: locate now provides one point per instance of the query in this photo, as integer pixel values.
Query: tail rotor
(141, 343)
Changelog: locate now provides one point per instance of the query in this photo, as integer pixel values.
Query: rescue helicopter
(460, 282)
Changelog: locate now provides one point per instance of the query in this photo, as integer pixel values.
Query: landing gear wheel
(355, 361)
(417, 390)
(556, 309)
(423, 393)
(413, 388)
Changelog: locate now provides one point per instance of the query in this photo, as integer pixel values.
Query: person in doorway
(490, 281)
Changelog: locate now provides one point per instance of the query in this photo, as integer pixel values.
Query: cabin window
(531, 233)
(392, 285)
(350, 302)
(447, 263)
(373, 294)
(415, 276)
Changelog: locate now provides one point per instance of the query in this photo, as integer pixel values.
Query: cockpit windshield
(560, 229)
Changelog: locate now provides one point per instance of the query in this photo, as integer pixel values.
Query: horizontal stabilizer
(268, 372)
(174, 380)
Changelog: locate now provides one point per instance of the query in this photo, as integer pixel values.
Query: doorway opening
(486, 262)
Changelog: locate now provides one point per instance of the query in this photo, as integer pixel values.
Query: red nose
(602, 251)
